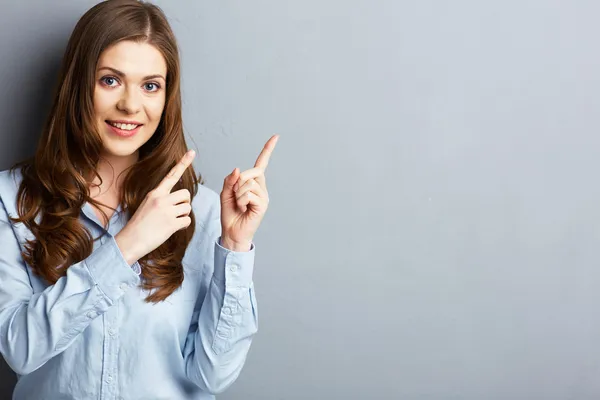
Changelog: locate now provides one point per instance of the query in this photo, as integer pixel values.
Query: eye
(151, 86)
(110, 81)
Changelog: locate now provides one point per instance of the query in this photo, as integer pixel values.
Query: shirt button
(123, 286)
(91, 314)
(233, 268)
(111, 332)
(227, 310)
(109, 379)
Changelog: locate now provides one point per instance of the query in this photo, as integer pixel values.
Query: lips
(124, 128)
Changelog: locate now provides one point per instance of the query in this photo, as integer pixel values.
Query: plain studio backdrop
(434, 224)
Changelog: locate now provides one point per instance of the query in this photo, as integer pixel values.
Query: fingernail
(190, 153)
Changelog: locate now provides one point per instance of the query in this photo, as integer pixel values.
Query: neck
(111, 168)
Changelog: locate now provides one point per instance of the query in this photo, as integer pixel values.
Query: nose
(130, 101)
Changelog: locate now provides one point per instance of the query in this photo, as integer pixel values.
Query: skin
(131, 87)
(128, 96)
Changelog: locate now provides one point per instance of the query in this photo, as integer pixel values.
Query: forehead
(135, 59)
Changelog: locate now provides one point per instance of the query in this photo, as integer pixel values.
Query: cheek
(103, 101)
(155, 110)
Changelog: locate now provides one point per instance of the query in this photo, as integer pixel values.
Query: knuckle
(179, 223)
(156, 201)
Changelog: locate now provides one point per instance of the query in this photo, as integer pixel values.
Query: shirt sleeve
(225, 323)
(34, 327)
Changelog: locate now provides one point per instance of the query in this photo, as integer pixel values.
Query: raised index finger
(169, 181)
(263, 158)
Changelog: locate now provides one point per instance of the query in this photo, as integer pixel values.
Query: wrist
(235, 246)
(126, 248)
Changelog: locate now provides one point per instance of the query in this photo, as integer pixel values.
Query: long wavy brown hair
(56, 180)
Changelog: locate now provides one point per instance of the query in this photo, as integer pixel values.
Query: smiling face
(129, 96)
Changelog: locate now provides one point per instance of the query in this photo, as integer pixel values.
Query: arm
(34, 327)
(221, 333)
(225, 323)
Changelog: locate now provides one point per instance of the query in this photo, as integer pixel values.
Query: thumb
(231, 179)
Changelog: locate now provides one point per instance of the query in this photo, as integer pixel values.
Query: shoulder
(10, 180)
(207, 207)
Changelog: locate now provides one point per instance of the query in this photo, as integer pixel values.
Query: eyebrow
(122, 74)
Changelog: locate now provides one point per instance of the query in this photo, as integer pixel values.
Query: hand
(160, 215)
(244, 201)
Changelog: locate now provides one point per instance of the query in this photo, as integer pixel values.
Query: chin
(114, 146)
(120, 151)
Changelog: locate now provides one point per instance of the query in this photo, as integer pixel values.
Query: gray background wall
(434, 225)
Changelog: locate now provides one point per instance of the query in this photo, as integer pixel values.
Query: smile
(124, 128)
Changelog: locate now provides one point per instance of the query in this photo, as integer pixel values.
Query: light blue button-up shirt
(91, 335)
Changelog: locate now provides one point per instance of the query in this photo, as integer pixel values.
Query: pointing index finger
(169, 181)
(263, 158)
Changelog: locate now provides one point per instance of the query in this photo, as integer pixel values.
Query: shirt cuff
(110, 271)
(136, 267)
(234, 268)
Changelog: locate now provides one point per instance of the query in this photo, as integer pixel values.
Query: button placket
(110, 353)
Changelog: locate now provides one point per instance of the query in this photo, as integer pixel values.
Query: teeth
(125, 127)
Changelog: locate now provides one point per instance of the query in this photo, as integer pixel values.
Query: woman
(121, 276)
